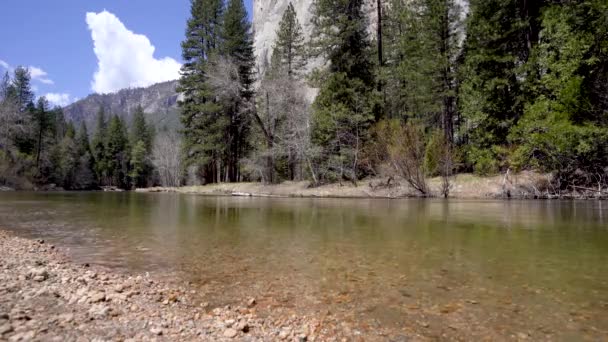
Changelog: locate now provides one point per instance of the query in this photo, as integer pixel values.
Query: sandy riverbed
(44, 296)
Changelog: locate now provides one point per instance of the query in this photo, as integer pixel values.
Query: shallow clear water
(442, 269)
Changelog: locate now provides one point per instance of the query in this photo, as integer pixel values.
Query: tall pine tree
(204, 125)
(237, 48)
(289, 50)
(346, 104)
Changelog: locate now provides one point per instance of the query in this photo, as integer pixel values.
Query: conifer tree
(117, 152)
(491, 95)
(82, 139)
(22, 89)
(42, 122)
(237, 48)
(204, 125)
(85, 177)
(346, 104)
(99, 147)
(141, 130)
(289, 53)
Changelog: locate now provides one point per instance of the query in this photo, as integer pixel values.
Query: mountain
(159, 102)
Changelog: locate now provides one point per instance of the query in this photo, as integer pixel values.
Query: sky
(77, 47)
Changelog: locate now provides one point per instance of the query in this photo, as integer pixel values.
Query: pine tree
(346, 104)
(82, 139)
(289, 53)
(85, 177)
(237, 48)
(204, 125)
(42, 122)
(423, 60)
(140, 130)
(491, 95)
(340, 35)
(560, 130)
(22, 89)
(99, 147)
(117, 152)
(139, 164)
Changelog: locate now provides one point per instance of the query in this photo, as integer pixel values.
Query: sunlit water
(455, 269)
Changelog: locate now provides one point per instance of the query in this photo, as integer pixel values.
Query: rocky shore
(46, 297)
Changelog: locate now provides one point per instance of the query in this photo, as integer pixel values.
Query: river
(436, 268)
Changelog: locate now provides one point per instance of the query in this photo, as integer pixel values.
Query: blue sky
(56, 40)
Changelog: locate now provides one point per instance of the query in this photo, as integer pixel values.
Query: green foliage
(289, 51)
(559, 131)
(117, 152)
(435, 148)
(99, 146)
(138, 163)
(340, 35)
(484, 161)
(491, 96)
(215, 132)
(423, 40)
(140, 130)
(343, 113)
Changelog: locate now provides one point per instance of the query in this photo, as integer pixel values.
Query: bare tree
(167, 159)
(405, 151)
(283, 116)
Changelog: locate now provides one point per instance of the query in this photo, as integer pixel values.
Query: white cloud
(39, 75)
(58, 99)
(36, 73)
(125, 59)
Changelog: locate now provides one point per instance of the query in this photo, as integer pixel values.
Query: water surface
(440, 269)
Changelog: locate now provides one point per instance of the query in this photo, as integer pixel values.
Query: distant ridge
(159, 102)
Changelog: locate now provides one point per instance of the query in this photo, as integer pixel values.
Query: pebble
(99, 311)
(38, 274)
(96, 297)
(156, 331)
(99, 306)
(5, 328)
(230, 333)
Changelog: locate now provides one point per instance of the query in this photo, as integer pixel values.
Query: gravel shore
(46, 297)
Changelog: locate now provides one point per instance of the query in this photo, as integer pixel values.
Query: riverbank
(466, 186)
(46, 297)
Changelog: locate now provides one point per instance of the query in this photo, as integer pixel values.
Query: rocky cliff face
(159, 102)
(268, 13)
(266, 17)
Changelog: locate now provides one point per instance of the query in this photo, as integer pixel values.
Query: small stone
(302, 338)
(5, 329)
(97, 297)
(251, 302)
(156, 331)
(38, 274)
(229, 322)
(243, 326)
(284, 334)
(230, 333)
(99, 311)
(66, 318)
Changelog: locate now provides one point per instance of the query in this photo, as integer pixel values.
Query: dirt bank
(522, 185)
(46, 297)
